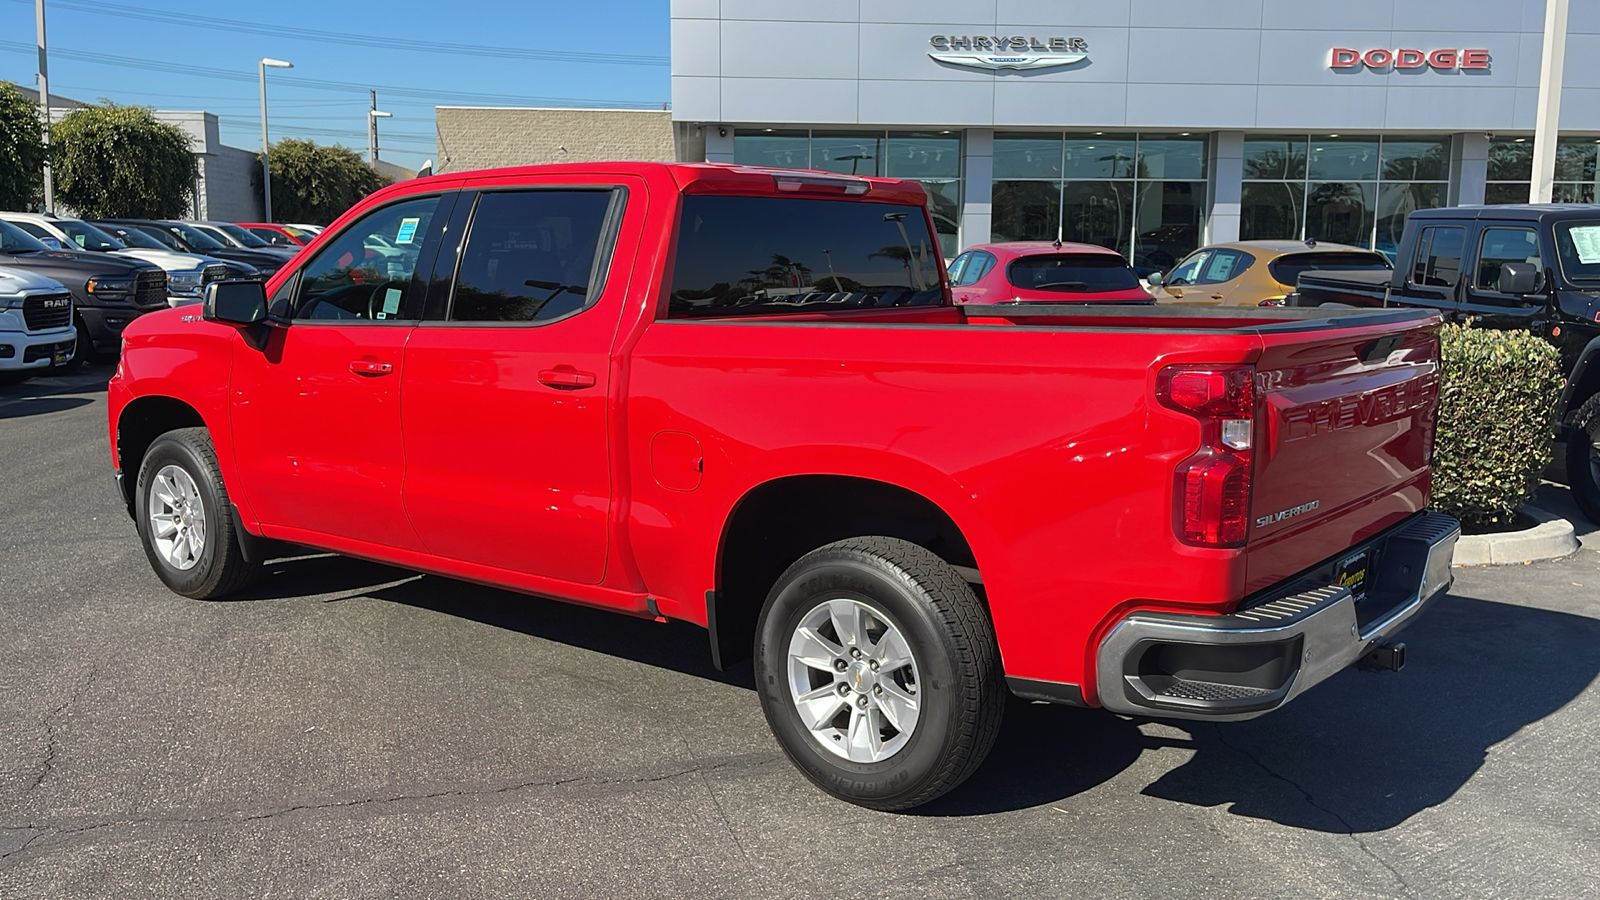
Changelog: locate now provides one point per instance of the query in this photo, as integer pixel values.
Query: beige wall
(487, 137)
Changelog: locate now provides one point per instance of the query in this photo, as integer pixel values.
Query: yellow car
(1254, 273)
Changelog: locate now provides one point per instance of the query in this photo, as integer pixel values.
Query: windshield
(242, 236)
(1074, 273)
(135, 238)
(194, 237)
(1578, 245)
(15, 240)
(89, 237)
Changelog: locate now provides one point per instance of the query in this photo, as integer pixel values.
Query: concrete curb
(1552, 538)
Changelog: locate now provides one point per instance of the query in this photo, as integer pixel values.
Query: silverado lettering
(745, 399)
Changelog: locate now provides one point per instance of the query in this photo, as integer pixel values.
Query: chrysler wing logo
(1006, 52)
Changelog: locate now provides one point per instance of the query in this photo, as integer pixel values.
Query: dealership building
(1149, 126)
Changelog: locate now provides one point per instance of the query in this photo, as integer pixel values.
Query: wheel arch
(1583, 381)
(139, 423)
(779, 520)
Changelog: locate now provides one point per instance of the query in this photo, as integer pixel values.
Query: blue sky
(454, 53)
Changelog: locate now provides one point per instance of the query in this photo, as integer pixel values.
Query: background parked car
(108, 291)
(141, 245)
(187, 274)
(1254, 273)
(290, 236)
(312, 230)
(232, 235)
(183, 237)
(1044, 272)
(36, 330)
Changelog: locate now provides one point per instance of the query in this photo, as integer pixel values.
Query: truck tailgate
(1346, 440)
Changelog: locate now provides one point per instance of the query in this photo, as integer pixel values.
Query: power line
(347, 39)
(311, 83)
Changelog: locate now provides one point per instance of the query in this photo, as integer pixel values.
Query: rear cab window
(1078, 273)
(765, 256)
(1286, 269)
(1438, 260)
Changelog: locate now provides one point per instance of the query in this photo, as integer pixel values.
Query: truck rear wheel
(1583, 458)
(185, 520)
(878, 672)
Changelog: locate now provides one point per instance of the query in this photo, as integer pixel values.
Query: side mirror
(1154, 279)
(1518, 278)
(235, 302)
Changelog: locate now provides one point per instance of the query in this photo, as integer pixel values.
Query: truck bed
(1355, 287)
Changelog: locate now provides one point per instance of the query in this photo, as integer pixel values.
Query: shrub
(1496, 400)
(22, 150)
(121, 161)
(314, 183)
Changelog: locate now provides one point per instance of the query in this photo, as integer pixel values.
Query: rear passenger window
(1438, 262)
(533, 256)
(777, 255)
(957, 265)
(1225, 266)
(1500, 246)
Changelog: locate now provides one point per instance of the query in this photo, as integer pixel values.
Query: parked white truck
(36, 330)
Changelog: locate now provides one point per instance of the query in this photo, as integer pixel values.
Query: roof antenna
(1056, 243)
(1311, 242)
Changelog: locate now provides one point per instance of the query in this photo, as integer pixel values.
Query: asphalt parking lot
(352, 730)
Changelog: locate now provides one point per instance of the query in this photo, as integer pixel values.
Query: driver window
(1188, 271)
(365, 273)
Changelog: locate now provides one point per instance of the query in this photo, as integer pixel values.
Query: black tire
(960, 686)
(220, 568)
(1583, 458)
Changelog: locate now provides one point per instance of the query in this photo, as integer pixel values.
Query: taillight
(1212, 490)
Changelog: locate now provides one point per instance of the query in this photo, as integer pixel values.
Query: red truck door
(316, 413)
(505, 393)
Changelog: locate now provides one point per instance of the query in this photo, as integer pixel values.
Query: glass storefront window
(1025, 210)
(923, 155)
(1142, 195)
(1340, 211)
(1026, 156)
(1167, 221)
(1098, 156)
(1341, 158)
(944, 202)
(1271, 157)
(1396, 200)
(1172, 157)
(1272, 209)
(1419, 159)
(770, 148)
(1511, 170)
(848, 153)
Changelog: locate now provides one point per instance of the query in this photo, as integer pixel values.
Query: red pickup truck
(744, 398)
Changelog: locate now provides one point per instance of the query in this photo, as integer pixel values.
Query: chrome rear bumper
(1255, 660)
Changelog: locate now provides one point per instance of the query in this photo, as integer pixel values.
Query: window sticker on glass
(1586, 240)
(391, 303)
(408, 230)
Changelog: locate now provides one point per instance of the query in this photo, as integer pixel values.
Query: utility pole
(1547, 125)
(373, 115)
(44, 101)
(266, 170)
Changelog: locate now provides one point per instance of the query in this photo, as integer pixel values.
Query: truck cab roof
(1524, 212)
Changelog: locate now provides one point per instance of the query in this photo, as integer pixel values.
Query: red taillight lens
(1212, 502)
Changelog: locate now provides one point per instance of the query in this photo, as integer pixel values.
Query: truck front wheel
(185, 520)
(1583, 458)
(878, 672)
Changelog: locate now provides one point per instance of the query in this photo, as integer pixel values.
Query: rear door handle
(371, 367)
(566, 378)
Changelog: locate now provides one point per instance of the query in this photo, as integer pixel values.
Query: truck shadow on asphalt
(1362, 752)
(48, 393)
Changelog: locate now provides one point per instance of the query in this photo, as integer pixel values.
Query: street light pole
(44, 102)
(1547, 125)
(373, 115)
(266, 170)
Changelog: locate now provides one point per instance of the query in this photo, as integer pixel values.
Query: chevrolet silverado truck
(1532, 267)
(745, 398)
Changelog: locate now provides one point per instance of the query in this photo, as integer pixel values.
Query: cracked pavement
(353, 731)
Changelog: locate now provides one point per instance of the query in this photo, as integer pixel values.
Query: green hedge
(1495, 404)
